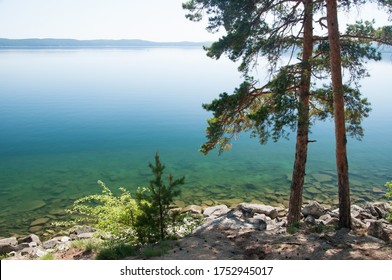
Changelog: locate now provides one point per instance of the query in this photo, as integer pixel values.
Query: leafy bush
(389, 196)
(154, 202)
(115, 215)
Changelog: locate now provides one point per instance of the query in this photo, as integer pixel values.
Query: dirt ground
(303, 245)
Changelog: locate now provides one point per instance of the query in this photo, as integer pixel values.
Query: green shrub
(108, 213)
(154, 202)
(117, 251)
(48, 257)
(157, 250)
(389, 196)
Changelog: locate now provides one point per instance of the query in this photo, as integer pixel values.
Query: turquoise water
(71, 117)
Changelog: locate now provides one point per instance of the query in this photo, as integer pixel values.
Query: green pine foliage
(154, 202)
(389, 196)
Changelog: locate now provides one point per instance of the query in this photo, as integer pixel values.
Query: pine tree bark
(301, 150)
(340, 128)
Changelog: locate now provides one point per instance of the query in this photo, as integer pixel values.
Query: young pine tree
(154, 201)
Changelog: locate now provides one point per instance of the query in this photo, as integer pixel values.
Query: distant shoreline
(90, 44)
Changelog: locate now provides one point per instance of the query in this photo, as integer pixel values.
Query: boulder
(30, 238)
(358, 224)
(250, 209)
(355, 210)
(383, 205)
(216, 211)
(258, 224)
(6, 248)
(9, 241)
(310, 220)
(50, 244)
(370, 209)
(314, 209)
(377, 230)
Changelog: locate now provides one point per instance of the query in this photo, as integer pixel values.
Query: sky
(155, 20)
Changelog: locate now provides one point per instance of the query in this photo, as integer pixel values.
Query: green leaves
(108, 213)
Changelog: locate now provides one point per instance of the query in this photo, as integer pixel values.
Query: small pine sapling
(155, 201)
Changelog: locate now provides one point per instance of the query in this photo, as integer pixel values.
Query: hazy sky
(157, 20)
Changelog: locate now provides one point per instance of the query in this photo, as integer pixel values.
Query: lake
(71, 117)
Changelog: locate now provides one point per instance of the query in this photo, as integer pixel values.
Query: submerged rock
(40, 221)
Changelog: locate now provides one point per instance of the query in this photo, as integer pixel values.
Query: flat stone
(58, 212)
(322, 177)
(35, 229)
(31, 205)
(216, 211)
(312, 190)
(251, 209)
(9, 241)
(378, 190)
(86, 235)
(40, 221)
(195, 209)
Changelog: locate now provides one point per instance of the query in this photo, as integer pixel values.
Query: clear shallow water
(71, 117)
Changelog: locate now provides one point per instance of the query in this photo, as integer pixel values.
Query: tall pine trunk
(301, 150)
(340, 128)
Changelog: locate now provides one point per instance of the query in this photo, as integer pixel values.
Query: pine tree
(154, 202)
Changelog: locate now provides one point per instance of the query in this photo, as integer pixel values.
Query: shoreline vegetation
(246, 231)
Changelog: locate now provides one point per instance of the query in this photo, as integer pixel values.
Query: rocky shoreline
(242, 227)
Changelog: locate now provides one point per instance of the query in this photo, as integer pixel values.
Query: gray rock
(355, 211)
(64, 239)
(376, 229)
(216, 211)
(50, 244)
(86, 235)
(383, 205)
(369, 208)
(258, 224)
(235, 213)
(9, 241)
(310, 220)
(381, 213)
(325, 217)
(5, 249)
(30, 238)
(250, 209)
(356, 223)
(314, 209)
(365, 214)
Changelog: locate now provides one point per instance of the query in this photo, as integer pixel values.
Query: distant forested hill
(71, 43)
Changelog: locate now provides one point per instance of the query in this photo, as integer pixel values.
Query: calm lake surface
(71, 117)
